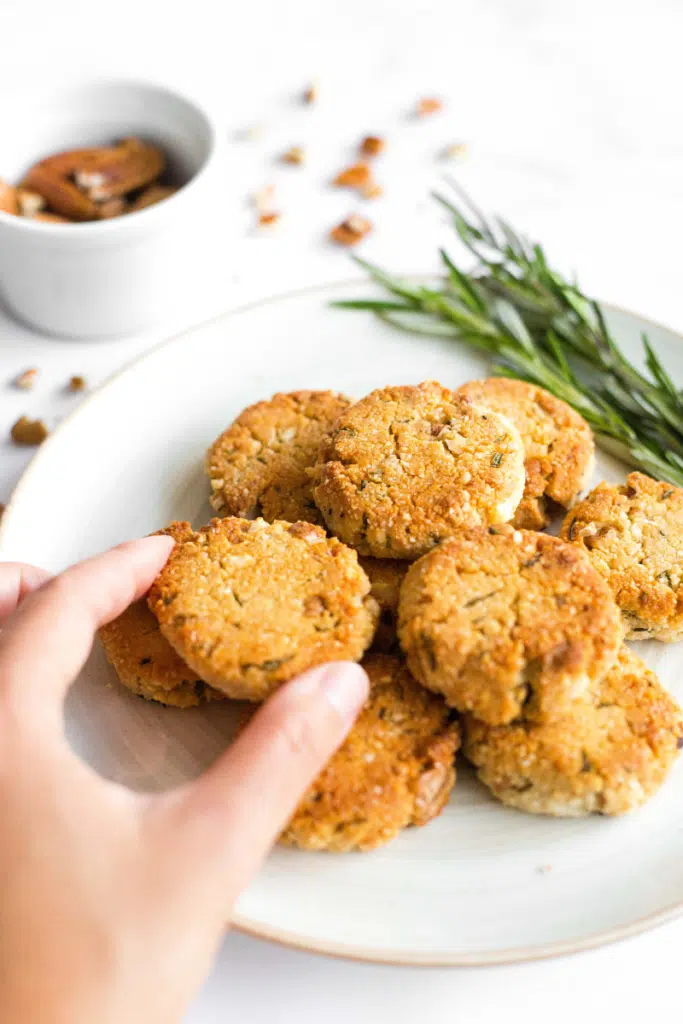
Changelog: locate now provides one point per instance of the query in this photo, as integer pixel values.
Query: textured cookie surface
(146, 663)
(250, 604)
(508, 622)
(407, 466)
(144, 660)
(395, 769)
(259, 465)
(633, 535)
(386, 576)
(559, 451)
(608, 756)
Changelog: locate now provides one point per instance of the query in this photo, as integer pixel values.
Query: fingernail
(345, 685)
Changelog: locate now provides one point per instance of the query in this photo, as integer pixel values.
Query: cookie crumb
(27, 379)
(372, 145)
(294, 155)
(428, 106)
(356, 176)
(29, 432)
(310, 95)
(269, 220)
(77, 384)
(351, 231)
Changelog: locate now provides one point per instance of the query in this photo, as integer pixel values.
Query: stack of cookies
(405, 531)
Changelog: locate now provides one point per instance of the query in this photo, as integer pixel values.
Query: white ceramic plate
(480, 885)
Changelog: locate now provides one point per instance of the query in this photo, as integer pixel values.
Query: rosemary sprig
(539, 327)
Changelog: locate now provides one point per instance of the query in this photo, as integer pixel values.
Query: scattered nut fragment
(351, 231)
(311, 93)
(356, 176)
(29, 432)
(454, 151)
(30, 203)
(293, 155)
(269, 220)
(77, 384)
(373, 190)
(150, 196)
(428, 106)
(372, 145)
(263, 198)
(8, 198)
(27, 379)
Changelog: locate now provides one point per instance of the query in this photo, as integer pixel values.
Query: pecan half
(76, 182)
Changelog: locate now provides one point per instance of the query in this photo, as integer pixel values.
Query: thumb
(240, 805)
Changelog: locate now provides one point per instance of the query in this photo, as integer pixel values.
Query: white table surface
(572, 114)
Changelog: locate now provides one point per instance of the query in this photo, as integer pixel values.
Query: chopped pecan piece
(269, 220)
(77, 384)
(30, 432)
(311, 93)
(27, 379)
(372, 145)
(351, 231)
(429, 105)
(294, 155)
(356, 176)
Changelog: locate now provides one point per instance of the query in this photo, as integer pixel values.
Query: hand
(113, 903)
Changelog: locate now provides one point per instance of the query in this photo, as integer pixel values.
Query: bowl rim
(95, 228)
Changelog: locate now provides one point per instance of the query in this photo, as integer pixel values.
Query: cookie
(259, 465)
(146, 663)
(250, 604)
(607, 757)
(395, 769)
(559, 451)
(407, 466)
(633, 535)
(386, 576)
(508, 623)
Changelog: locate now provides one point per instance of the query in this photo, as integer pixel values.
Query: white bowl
(113, 277)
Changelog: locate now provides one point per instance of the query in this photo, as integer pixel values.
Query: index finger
(46, 641)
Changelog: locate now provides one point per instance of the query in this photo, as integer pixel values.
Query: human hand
(113, 903)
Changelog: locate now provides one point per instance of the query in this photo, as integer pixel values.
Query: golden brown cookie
(250, 604)
(386, 576)
(395, 769)
(633, 535)
(146, 663)
(507, 622)
(608, 756)
(407, 466)
(559, 451)
(258, 466)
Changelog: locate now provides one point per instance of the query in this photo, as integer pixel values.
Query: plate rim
(295, 940)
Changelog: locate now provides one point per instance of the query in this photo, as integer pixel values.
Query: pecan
(8, 198)
(77, 384)
(151, 195)
(26, 431)
(372, 145)
(76, 182)
(429, 105)
(27, 379)
(294, 155)
(30, 203)
(356, 176)
(351, 231)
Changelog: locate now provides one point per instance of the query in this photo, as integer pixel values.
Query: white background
(572, 114)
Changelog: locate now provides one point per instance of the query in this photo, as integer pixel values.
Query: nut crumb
(455, 151)
(310, 95)
(372, 145)
(373, 190)
(428, 106)
(77, 384)
(30, 432)
(262, 199)
(293, 155)
(351, 231)
(27, 379)
(269, 220)
(356, 176)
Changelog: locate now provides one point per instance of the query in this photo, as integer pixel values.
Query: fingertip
(344, 685)
(145, 551)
